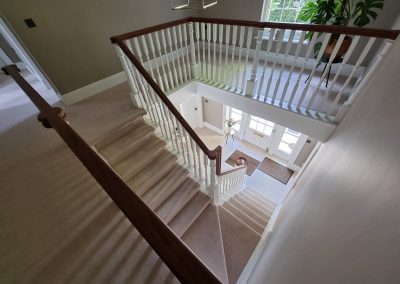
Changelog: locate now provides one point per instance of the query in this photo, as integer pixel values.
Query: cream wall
(212, 113)
(341, 222)
(71, 41)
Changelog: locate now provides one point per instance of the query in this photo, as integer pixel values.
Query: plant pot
(344, 47)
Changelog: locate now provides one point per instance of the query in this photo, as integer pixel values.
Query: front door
(287, 144)
(260, 132)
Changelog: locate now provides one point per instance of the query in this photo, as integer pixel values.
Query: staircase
(142, 159)
(145, 164)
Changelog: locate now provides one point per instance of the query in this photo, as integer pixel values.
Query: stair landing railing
(245, 57)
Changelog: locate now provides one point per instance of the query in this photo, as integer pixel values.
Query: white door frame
(23, 54)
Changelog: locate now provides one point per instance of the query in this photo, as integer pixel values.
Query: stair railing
(179, 258)
(268, 62)
(245, 57)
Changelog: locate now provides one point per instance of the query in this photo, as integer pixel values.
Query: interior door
(260, 132)
(190, 111)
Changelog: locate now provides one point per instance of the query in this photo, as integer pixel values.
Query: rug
(252, 163)
(275, 170)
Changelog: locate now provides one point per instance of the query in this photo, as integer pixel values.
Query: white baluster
(161, 55)
(198, 151)
(220, 41)
(267, 53)
(248, 45)
(227, 43)
(214, 68)
(239, 66)
(195, 163)
(346, 57)
(319, 56)
(168, 123)
(194, 63)
(172, 58)
(146, 56)
(251, 83)
(358, 63)
(213, 189)
(153, 51)
(280, 34)
(187, 138)
(203, 39)
(296, 56)
(185, 40)
(134, 92)
(328, 66)
(179, 133)
(209, 78)
(182, 56)
(278, 82)
(307, 56)
(172, 80)
(206, 180)
(232, 69)
(176, 53)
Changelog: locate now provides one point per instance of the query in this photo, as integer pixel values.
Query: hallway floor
(258, 181)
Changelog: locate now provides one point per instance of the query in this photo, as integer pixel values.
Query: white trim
(213, 128)
(23, 54)
(5, 58)
(94, 88)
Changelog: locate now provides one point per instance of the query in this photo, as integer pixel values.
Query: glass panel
(285, 147)
(253, 124)
(268, 130)
(260, 127)
(287, 138)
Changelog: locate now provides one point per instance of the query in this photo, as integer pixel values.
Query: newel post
(43, 119)
(252, 81)
(194, 65)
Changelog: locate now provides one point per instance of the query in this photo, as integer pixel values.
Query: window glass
(261, 125)
(289, 140)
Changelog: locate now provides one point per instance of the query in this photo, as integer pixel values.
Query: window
(261, 125)
(236, 115)
(289, 140)
(283, 10)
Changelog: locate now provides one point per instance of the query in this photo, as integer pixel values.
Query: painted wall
(71, 41)
(235, 9)
(212, 112)
(340, 224)
(305, 151)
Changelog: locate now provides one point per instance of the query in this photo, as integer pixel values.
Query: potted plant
(230, 122)
(340, 13)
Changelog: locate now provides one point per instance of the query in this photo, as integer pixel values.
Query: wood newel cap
(4, 69)
(43, 119)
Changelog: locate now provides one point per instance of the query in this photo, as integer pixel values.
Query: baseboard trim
(212, 127)
(93, 89)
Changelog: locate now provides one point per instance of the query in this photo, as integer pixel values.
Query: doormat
(275, 170)
(251, 164)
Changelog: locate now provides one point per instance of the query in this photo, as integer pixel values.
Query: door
(260, 132)
(190, 110)
(287, 144)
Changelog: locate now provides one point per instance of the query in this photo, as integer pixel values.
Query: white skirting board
(94, 88)
(212, 127)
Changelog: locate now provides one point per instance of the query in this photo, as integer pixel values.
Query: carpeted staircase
(153, 172)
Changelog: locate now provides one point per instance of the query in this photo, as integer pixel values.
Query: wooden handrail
(380, 33)
(186, 266)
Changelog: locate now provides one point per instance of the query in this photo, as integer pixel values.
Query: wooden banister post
(251, 83)
(43, 118)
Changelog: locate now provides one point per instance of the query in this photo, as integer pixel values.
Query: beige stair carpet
(243, 220)
(153, 173)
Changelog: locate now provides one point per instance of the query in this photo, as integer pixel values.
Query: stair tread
(237, 247)
(257, 203)
(156, 195)
(124, 125)
(261, 198)
(244, 218)
(127, 142)
(151, 174)
(249, 211)
(135, 161)
(262, 211)
(182, 221)
(204, 238)
(178, 199)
